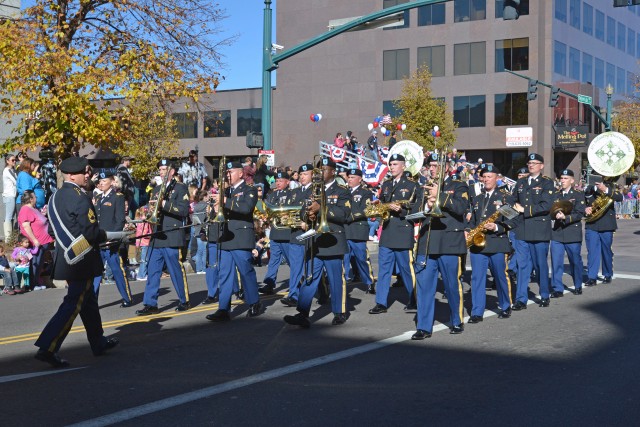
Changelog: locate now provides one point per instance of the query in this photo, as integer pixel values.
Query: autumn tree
(420, 111)
(627, 120)
(78, 72)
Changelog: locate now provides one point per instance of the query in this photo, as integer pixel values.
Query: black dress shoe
(544, 302)
(339, 319)
(371, 289)
(183, 307)
(411, 306)
(519, 305)
(51, 358)
(420, 335)
(457, 330)
(108, 345)
(377, 309)
(397, 284)
(240, 294)
(289, 302)
(219, 316)
(126, 304)
(556, 294)
(475, 319)
(591, 282)
(147, 310)
(505, 314)
(266, 289)
(210, 300)
(254, 310)
(577, 291)
(298, 320)
(606, 279)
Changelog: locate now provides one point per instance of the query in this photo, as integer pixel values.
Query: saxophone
(477, 237)
(381, 210)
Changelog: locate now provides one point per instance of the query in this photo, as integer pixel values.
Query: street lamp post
(266, 76)
(609, 91)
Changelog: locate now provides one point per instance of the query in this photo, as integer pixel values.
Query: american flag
(386, 120)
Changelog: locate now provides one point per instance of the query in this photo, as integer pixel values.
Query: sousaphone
(412, 153)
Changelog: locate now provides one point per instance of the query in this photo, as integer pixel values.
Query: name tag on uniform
(106, 204)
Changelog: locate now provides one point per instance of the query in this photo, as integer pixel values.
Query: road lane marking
(19, 377)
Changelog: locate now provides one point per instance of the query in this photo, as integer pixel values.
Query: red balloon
(438, 133)
(311, 117)
(375, 124)
(399, 126)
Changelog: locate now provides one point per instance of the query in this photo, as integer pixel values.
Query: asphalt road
(573, 363)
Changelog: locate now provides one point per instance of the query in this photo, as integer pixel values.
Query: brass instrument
(563, 206)
(279, 216)
(220, 219)
(381, 211)
(599, 207)
(156, 203)
(477, 237)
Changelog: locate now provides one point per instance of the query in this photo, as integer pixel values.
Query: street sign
(584, 99)
(271, 156)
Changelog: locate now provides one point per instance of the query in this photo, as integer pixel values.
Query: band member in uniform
(566, 236)
(599, 233)
(328, 250)
(299, 196)
(110, 209)
(396, 241)
(236, 243)
(357, 230)
(441, 243)
(493, 254)
(279, 237)
(172, 200)
(513, 264)
(532, 198)
(76, 260)
(213, 230)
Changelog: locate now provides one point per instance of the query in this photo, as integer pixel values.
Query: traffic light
(555, 95)
(533, 88)
(511, 10)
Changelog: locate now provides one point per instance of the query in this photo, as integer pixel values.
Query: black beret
(306, 167)
(489, 169)
(74, 165)
(328, 162)
(165, 162)
(522, 170)
(234, 165)
(567, 172)
(398, 157)
(282, 175)
(433, 157)
(105, 174)
(354, 172)
(407, 174)
(192, 152)
(535, 156)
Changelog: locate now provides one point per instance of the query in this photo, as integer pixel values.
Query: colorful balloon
(383, 130)
(315, 118)
(311, 118)
(399, 126)
(387, 133)
(375, 124)
(370, 127)
(436, 128)
(404, 127)
(437, 133)
(319, 116)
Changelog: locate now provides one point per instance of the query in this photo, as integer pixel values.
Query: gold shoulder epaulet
(343, 186)
(546, 177)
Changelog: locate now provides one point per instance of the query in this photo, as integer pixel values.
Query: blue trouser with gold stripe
(114, 260)
(557, 264)
(599, 247)
(296, 268)
(387, 257)
(358, 251)
(427, 282)
(157, 259)
(80, 299)
(337, 285)
(532, 255)
(212, 275)
(233, 263)
(276, 252)
(498, 265)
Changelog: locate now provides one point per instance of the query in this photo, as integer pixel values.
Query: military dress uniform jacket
(397, 232)
(238, 209)
(536, 199)
(279, 198)
(606, 222)
(298, 196)
(76, 212)
(482, 208)
(447, 233)
(569, 230)
(110, 211)
(338, 205)
(172, 215)
(357, 224)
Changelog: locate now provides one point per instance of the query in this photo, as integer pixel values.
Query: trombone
(219, 219)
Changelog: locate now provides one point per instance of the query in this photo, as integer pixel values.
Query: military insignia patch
(185, 197)
(347, 204)
(465, 196)
(92, 216)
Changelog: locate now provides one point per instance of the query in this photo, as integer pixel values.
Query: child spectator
(7, 272)
(22, 256)
(142, 228)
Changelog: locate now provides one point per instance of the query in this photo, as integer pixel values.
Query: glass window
(389, 108)
(574, 13)
(186, 124)
(561, 10)
(391, 3)
(599, 79)
(587, 18)
(217, 124)
(395, 64)
(621, 80)
(523, 9)
(587, 68)
(433, 14)
(469, 58)
(469, 10)
(512, 54)
(469, 111)
(574, 64)
(622, 37)
(631, 42)
(599, 25)
(611, 31)
(249, 119)
(511, 109)
(432, 57)
(560, 58)
(610, 76)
